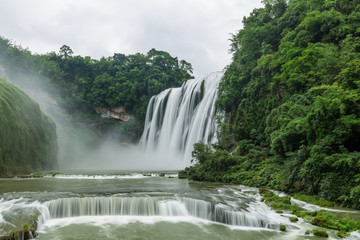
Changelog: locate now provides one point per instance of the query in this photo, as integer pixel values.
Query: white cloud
(197, 31)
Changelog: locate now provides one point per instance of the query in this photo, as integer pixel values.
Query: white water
(136, 208)
(179, 117)
(98, 177)
(111, 176)
(85, 207)
(153, 206)
(354, 235)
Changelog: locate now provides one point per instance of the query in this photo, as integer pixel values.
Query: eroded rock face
(118, 113)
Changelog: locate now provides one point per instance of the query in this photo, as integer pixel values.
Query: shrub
(342, 234)
(320, 233)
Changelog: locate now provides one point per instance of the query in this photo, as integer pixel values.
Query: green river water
(139, 205)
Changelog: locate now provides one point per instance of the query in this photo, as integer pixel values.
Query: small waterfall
(179, 117)
(172, 208)
(99, 206)
(199, 208)
(237, 218)
(152, 206)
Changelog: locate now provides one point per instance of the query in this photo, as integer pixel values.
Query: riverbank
(325, 218)
(323, 213)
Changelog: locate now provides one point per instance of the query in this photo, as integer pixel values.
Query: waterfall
(154, 206)
(179, 117)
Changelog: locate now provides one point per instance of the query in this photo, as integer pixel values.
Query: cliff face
(118, 113)
(27, 136)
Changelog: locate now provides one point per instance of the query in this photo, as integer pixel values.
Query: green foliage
(277, 202)
(342, 234)
(28, 137)
(26, 228)
(82, 83)
(314, 200)
(355, 195)
(210, 165)
(329, 220)
(200, 153)
(326, 219)
(291, 98)
(320, 233)
(282, 228)
(65, 51)
(184, 174)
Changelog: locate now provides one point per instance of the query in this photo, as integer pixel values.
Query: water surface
(139, 205)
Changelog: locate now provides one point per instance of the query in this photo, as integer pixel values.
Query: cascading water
(108, 206)
(152, 206)
(179, 117)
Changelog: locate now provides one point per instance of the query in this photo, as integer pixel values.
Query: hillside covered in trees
(291, 98)
(27, 136)
(79, 84)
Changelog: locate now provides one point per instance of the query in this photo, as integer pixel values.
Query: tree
(65, 51)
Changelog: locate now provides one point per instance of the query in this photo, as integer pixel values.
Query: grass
(313, 199)
(329, 220)
(277, 202)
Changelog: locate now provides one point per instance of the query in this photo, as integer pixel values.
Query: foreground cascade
(154, 206)
(179, 117)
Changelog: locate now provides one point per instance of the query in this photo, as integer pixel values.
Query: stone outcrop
(118, 113)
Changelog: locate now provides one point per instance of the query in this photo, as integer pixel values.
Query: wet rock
(282, 228)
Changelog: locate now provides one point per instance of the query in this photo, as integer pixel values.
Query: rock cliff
(118, 113)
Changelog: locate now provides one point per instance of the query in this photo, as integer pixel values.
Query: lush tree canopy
(80, 84)
(291, 97)
(83, 83)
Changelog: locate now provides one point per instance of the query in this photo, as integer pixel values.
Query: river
(140, 205)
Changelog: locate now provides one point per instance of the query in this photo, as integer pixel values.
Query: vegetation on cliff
(82, 83)
(79, 84)
(292, 102)
(27, 136)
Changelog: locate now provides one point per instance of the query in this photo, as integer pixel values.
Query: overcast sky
(194, 30)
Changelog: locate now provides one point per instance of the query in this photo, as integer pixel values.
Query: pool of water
(139, 205)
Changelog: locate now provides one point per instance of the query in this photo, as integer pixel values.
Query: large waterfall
(179, 117)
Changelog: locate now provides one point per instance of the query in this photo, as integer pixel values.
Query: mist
(79, 147)
(111, 155)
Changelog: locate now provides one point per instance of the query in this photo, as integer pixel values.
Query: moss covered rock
(320, 233)
(27, 136)
(282, 228)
